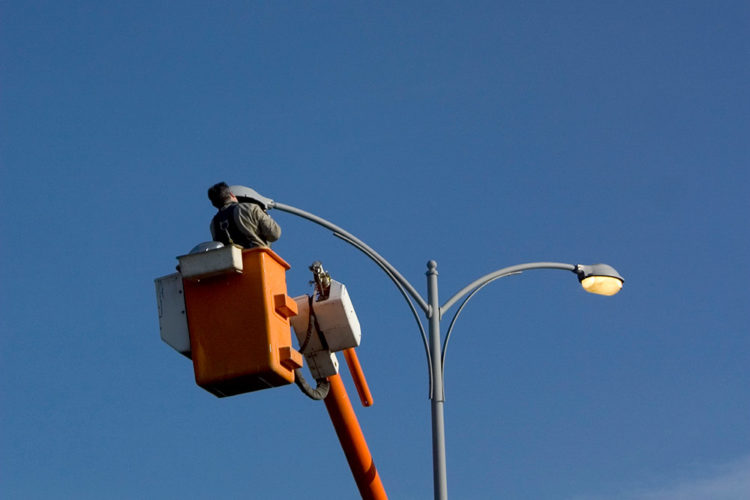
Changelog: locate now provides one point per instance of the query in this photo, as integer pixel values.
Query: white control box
(336, 318)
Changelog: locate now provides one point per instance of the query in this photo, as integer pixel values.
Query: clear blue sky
(479, 134)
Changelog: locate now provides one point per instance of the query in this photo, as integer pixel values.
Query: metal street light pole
(437, 399)
(598, 278)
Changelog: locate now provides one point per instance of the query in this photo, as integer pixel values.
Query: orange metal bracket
(285, 305)
(290, 358)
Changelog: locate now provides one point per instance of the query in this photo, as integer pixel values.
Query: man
(244, 224)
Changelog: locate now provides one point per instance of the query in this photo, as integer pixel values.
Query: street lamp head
(244, 193)
(601, 279)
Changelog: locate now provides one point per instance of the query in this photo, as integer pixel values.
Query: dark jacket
(244, 224)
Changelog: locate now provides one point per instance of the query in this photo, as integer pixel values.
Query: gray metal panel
(221, 260)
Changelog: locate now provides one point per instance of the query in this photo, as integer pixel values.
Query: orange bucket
(239, 326)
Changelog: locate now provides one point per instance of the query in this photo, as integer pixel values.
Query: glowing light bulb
(602, 285)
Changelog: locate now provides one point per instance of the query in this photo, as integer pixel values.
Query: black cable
(323, 386)
(308, 334)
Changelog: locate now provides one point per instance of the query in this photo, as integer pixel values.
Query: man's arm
(258, 223)
(268, 227)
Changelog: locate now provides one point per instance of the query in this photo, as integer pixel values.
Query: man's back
(244, 224)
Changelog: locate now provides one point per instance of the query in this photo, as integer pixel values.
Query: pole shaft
(353, 441)
(440, 481)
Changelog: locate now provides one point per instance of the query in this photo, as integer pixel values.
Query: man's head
(220, 195)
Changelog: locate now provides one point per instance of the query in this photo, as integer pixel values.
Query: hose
(320, 392)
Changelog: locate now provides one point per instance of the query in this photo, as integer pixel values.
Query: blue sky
(478, 134)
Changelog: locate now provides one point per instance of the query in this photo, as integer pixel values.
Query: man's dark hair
(219, 194)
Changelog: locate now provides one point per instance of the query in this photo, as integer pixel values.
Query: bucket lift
(227, 309)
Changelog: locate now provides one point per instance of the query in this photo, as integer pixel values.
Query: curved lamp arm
(503, 272)
(602, 279)
(245, 193)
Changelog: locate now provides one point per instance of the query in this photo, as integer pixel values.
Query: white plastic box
(170, 299)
